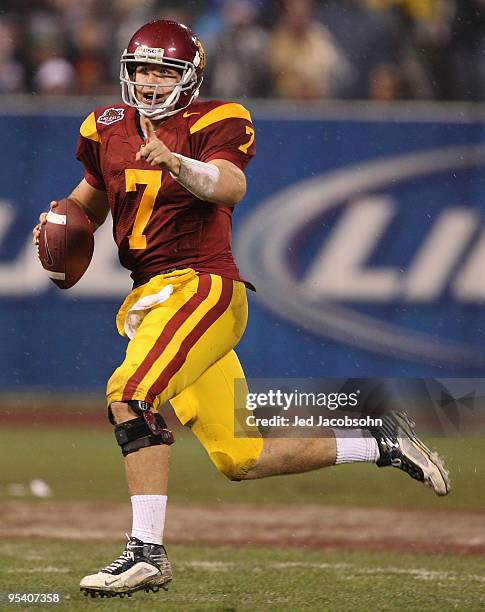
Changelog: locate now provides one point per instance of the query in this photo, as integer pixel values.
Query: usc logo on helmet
(200, 65)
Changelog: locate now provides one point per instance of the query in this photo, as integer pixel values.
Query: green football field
(84, 465)
(219, 578)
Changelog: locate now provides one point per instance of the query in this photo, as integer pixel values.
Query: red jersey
(157, 223)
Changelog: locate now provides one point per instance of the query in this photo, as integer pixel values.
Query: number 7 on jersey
(153, 181)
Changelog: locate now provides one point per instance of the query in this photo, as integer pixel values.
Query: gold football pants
(183, 352)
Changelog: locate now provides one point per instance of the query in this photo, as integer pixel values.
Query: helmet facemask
(187, 88)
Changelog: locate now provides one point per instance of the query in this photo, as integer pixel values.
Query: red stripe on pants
(173, 324)
(191, 339)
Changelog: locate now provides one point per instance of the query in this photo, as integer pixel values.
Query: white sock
(148, 517)
(354, 446)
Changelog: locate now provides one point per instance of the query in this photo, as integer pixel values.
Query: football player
(170, 169)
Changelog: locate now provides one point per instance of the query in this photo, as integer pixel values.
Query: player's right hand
(42, 220)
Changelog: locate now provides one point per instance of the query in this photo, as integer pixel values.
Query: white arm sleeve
(197, 177)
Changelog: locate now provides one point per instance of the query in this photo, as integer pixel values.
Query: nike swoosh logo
(187, 114)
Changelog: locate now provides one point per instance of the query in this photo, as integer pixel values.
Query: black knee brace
(149, 429)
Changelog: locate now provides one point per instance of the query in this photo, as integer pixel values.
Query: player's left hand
(154, 151)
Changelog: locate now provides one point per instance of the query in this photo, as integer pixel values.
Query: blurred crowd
(293, 49)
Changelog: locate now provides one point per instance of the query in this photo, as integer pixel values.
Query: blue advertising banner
(364, 237)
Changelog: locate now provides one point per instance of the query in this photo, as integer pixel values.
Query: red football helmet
(174, 46)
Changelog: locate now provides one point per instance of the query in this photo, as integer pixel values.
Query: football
(66, 243)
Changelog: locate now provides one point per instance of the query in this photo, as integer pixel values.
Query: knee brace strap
(139, 407)
(135, 434)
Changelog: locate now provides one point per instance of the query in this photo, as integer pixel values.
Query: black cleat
(400, 447)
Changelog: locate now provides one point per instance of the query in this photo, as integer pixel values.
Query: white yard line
(419, 573)
(48, 569)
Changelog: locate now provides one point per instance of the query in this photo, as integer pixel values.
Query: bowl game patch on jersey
(111, 115)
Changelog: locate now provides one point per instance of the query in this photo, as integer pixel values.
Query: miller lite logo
(111, 115)
(383, 255)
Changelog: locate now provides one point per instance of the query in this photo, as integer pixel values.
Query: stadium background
(369, 172)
